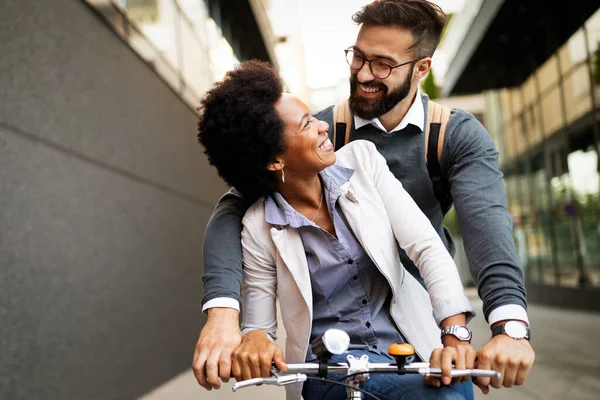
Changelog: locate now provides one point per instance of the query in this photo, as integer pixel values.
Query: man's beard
(374, 108)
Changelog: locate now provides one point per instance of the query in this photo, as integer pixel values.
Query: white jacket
(379, 211)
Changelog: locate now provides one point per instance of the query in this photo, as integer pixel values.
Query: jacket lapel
(290, 248)
(367, 230)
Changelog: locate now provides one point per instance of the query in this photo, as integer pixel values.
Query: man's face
(371, 97)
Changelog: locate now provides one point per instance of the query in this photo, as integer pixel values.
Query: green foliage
(446, 26)
(430, 87)
(451, 222)
(597, 65)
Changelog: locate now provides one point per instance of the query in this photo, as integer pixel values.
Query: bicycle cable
(323, 397)
(332, 382)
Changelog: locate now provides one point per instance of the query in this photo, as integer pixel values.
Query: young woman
(323, 238)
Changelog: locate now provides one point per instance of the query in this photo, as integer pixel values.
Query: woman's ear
(275, 166)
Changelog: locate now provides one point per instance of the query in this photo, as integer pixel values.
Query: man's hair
(240, 129)
(422, 18)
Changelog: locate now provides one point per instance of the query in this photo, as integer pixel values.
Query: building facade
(539, 72)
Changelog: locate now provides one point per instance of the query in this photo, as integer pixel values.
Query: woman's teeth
(325, 144)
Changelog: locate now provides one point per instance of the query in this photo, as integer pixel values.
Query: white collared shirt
(415, 116)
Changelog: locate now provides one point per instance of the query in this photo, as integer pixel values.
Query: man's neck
(392, 118)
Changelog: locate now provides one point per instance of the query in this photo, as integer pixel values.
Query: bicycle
(356, 370)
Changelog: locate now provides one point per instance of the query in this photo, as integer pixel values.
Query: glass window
(585, 217)
(195, 69)
(548, 74)
(578, 100)
(551, 111)
(158, 21)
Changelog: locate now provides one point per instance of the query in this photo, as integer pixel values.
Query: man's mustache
(369, 84)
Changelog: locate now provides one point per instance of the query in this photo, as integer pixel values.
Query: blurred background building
(105, 193)
(537, 66)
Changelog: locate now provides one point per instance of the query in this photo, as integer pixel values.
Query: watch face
(462, 332)
(515, 330)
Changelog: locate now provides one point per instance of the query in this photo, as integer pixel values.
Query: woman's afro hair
(240, 129)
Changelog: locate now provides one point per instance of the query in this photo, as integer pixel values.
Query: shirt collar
(415, 116)
(279, 212)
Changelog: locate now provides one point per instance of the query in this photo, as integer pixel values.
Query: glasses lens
(380, 69)
(354, 61)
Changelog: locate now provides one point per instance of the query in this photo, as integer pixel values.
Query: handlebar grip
(455, 373)
(248, 382)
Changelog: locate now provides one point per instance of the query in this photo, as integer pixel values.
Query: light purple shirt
(349, 292)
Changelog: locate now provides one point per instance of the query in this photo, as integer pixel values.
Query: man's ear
(422, 68)
(275, 166)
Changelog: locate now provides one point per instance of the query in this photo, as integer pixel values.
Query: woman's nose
(323, 126)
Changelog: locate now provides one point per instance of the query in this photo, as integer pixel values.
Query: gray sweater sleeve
(222, 249)
(480, 201)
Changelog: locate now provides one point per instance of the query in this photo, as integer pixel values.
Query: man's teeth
(326, 143)
(369, 89)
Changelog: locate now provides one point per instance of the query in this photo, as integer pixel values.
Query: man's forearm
(222, 250)
(486, 225)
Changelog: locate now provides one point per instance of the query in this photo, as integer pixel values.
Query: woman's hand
(457, 352)
(254, 356)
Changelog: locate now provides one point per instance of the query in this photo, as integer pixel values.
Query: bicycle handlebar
(297, 372)
(421, 368)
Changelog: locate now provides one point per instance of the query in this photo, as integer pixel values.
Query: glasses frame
(369, 61)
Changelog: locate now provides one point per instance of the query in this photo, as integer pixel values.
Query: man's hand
(254, 357)
(512, 358)
(212, 356)
(457, 352)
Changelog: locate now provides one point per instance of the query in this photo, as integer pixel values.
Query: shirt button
(364, 301)
(368, 324)
(350, 261)
(355, 277)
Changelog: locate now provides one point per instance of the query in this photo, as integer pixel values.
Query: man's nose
(364, 73)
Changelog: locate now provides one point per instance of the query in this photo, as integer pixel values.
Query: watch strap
(500, 329)
(452, 330)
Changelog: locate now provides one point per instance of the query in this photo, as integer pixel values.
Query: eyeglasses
(379, 68)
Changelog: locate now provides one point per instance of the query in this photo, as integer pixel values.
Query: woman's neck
(305, 192)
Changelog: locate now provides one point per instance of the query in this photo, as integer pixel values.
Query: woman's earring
(282, 175)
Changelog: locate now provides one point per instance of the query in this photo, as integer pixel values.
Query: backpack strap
(435, 130)
(342, 122)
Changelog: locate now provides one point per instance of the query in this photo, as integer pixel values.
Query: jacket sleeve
(259, 288)
(222, 249)
(418, 238)
(477, 188)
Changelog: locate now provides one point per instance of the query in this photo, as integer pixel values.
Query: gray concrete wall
(104, 196)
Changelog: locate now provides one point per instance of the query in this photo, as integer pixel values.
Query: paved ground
(567, 363)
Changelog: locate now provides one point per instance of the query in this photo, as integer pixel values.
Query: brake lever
(423, 368)
(275, 380)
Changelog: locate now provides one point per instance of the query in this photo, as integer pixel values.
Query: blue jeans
(387, 386)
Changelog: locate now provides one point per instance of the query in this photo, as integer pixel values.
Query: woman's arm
(259, 284)
(256, 353)
(418, 238)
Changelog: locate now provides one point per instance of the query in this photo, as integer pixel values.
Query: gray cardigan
(470, 163)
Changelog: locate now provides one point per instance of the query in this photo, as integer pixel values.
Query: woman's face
(308, 148)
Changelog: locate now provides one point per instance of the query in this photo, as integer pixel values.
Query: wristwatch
(459, 331)
(513, 329)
